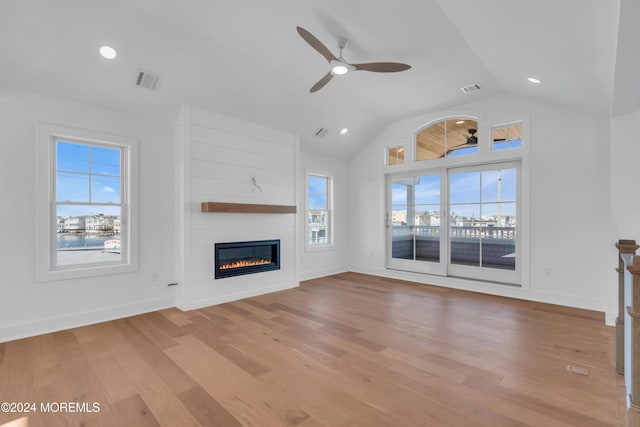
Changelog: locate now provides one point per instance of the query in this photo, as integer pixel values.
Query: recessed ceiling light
(459, 122)
(533, 80)
(108, 52)
(343, 131)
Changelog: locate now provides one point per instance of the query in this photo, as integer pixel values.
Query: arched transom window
(450, 137)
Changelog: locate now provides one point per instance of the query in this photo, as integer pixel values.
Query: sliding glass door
(414, 223)
(483, 212)
(459, 222)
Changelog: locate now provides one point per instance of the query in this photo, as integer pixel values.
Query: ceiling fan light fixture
(338, 65)
(339, 69)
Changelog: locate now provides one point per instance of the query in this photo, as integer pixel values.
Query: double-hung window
(319, 230)
(86, 215)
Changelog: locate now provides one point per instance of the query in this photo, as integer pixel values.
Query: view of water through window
(88, 203)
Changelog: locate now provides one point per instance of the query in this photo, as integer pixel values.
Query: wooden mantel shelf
(247, 208)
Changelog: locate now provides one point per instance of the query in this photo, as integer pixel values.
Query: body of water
(80, 241)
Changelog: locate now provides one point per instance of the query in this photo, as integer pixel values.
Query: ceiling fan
(340, 66)
(472, 140)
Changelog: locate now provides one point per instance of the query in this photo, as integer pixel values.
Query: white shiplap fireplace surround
(216, 158)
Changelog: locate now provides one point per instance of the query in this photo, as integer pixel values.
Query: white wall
(28, 307)
(624, 188)
(625, 155)
(568, 160)
(215, 157)
(571, 229)
(318, 262)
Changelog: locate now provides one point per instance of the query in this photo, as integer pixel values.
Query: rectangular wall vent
(147, 80)
(471, 88)
(321, 132)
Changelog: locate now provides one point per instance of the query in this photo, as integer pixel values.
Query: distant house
(98, 223)
(74, 223)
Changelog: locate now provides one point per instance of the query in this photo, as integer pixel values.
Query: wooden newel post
(624, 247)
(633, 309)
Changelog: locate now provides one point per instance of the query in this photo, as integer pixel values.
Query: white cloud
(108, 189)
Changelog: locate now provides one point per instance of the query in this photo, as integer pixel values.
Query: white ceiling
(244, 57)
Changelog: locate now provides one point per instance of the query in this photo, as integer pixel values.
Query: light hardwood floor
(345, 350)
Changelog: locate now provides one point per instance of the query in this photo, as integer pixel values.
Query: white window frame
(46, 212)
(329, 226)
(444, 119)
(436, 268)
(512, 277)
(502, 126)
(485, 156)
(444, 267)
(388, 155)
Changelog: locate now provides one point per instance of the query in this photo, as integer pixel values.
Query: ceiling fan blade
(323, 81)
(382, 67)
(316, 44)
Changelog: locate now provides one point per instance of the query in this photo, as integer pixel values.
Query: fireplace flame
(244, 263)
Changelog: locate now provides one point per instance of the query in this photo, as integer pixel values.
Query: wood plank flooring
(345, 350)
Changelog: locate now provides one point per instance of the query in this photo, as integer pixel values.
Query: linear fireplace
(238, 258)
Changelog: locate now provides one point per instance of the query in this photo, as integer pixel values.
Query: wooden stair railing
(624, 247)
(633, 311)
(629, 310)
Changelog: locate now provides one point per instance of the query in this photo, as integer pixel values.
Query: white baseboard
(567, 300)
(54, 324)
(610, 318)
(497, 289)
(575, 301)
(59, 323)
(308, 275)
(493, 289)
(206, 302)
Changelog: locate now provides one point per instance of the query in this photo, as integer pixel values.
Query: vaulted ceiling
(244, 57)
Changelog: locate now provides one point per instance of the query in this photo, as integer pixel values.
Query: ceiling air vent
(471, 88)
(147, 80)
(321, 132)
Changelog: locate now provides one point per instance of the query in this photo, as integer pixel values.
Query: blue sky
(463, 151)
(87, 174)
(79, 210)
(471, 193)
(317, 192)
(427, 191)
(466, 187)
(501, 145)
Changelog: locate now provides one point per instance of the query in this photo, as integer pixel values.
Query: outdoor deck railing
(455, 231)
